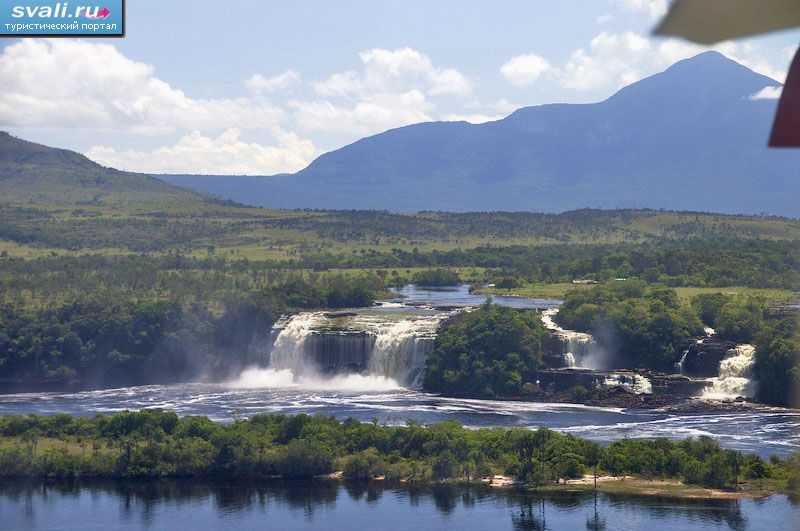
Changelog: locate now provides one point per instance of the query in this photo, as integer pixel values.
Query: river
(183, 504)
(390, 342)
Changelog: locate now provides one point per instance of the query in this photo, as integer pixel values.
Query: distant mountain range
(33, 173)
(690, 138)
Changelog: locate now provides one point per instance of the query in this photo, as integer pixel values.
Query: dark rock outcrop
(704, 357)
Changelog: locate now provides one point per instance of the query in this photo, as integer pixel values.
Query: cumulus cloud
(524, 70)
(392, 88)
(75, 84)
(612, 59)
(767, 93)
(387, 70)
(226, 154)
(449, 82)
(259, 84)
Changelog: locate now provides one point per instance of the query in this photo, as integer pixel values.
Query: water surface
(367, 398)
(460, 296)
(182, 504)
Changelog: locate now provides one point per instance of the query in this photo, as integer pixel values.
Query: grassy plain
(29, 230)
(685, 293)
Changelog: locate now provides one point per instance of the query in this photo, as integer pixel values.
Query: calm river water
(333, 505)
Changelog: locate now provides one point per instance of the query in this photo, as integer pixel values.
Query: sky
(263, 87)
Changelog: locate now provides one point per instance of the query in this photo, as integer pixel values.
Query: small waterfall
(679, 363)
(577, 348)
(640, 384)
(735, 373)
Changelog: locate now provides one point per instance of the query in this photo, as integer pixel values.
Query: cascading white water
(579, 349)
(679, 363)
(400, 352)
(288, 351)
(640, 384)
(379, 348)
(735, 375)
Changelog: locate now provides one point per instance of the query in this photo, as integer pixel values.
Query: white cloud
(259, 84)
(449, 82)
(374, 113)
(604, 19)
(767, 93)
(391, 89)
(655, 8)
(476, 118)
(226, 154)
(75, 84)
(524, 70)
(392, 71)
(612, 60)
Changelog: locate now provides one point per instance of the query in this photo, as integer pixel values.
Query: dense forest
(139, 325)
(153, 443)
(491, 351)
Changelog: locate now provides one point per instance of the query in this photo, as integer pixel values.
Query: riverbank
(160, 444)
(665, 488)
(620, 485)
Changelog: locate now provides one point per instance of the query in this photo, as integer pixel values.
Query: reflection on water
(334, 505)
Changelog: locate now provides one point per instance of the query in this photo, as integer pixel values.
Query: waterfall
(577, 348)
(640, 384)
(288, 351)
(735, 373)
(388, 344)
(679, 363)
(400, 352)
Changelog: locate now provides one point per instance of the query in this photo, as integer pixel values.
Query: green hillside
(33, 173)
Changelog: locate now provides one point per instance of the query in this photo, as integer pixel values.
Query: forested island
(153, 444)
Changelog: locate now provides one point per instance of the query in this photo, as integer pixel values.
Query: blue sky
(261, 87)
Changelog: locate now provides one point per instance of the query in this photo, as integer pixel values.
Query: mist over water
(384, 347)
(256, 378)
(579, 349)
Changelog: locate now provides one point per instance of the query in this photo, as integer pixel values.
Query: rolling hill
(690, 138)
(33, 173)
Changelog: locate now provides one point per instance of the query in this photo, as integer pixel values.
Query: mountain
(689, 138)
(35, 173)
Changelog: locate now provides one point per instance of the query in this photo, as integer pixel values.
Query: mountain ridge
(688, 138)
(35, 173)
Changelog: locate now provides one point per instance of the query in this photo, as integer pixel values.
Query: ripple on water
(762, 432)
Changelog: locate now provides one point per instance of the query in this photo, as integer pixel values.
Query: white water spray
(735, 375)
(578, 349)
(365, 350)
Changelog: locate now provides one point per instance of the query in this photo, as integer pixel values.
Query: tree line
(153, 443)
